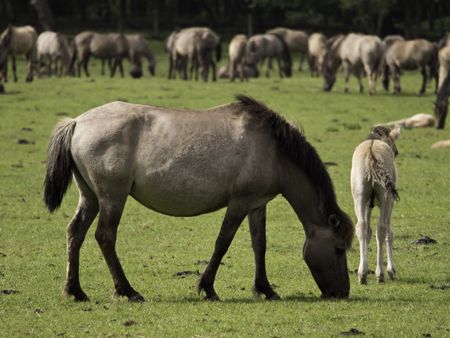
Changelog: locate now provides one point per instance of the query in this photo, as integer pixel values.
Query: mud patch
(440, 287)
(8, 292)
(27, 129)
(129, 322)
(61, 113)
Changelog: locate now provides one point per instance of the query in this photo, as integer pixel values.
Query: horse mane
(292, 142)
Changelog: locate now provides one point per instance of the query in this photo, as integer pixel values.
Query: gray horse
(316, 53)
(296, 40)
(190, 162)
(112, 46)
(194, 46)
(269, 46)
(55, 48)
(17, 41)
(410, 55)
(358, 54)
(138, 49)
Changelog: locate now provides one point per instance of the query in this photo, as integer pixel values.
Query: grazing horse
(358, 53)
(410, 55)
(262, 46)
(194, 46)
(373, 180)
(190, 162)
(139, 48)
(296, 40)
(249, 71)
(55, 47)
(317, 50)
(441, 108)
(112, 46)
(17, 41)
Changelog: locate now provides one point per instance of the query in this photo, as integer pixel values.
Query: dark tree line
(411, 18)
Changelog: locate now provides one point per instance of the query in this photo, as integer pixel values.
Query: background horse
(139, 48)
(316, 53)
(358, 53)
(17, 41)
(410, 55)
(373, 180)
(441, 108)
(249, 71)
(110, 47)
(239, 60)
(296, 40)
(186, 163)
(262, 46)
(55, 48)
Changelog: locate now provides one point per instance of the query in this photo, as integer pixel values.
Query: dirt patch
(424, 240)
(330, 164)
(27, 129)
(183, 274)
(24, 141)
(440, 287)
(8, 292)
(61, 113)
(129, 322)
(352, 332)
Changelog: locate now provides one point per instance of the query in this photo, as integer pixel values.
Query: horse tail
(441, 105)
(434, 63)
(59, 164)
(378, 174)
(385, 79)
(73, 59)
(285, 54)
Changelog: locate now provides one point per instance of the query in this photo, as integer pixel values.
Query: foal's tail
(59, 164)
(380, 175)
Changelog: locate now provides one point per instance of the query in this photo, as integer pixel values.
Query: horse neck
(303, 196)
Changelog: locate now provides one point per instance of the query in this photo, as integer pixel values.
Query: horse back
(23, 39)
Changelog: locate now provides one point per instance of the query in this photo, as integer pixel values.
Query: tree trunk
(44, 14)
(250, 23)
(155, 15)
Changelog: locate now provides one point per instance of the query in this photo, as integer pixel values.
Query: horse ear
(395, 133)
(333, 220)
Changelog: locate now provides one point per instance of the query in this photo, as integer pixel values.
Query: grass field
(154, 247)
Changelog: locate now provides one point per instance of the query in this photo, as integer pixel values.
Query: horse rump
(441, 105)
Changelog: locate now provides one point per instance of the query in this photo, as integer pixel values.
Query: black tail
(72, 61)
(385, 79)
(59, 164)
(441, 106)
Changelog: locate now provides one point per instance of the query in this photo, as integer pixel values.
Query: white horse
(55, 48)
(373, 179)
(17, 41)
(358, 53)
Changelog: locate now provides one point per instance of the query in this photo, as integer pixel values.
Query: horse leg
(14, 69)
(232, 70)
(302, 59)
(381, 236)
(395, 72)
(423, 71)
(233, 218)
(76, 232)
(391, 270)
(120, 64)
(102, 70)
(213, 68)
(359, 75)
(106, 235)
(29, 58)
(269, 66)
(371, 77)
(280, 67)
(257, 223)
(113, 69)
(85, 65)
(346, 67)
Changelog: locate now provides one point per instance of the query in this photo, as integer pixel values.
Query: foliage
(153, 247)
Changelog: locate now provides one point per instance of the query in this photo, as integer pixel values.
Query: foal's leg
(363, 231)
(120, 64)
(395, 73)
(233, 218)
(106, 235)
(381, 235)
(346, 67)
(86, 211)
(257, 223)
(29, 58)
(391, 270)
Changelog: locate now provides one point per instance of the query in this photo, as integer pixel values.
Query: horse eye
(339, 250)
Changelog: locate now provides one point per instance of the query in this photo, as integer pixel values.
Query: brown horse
(190, 162)
(17, 41)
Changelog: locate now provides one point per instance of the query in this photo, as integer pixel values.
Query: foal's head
(386, 135)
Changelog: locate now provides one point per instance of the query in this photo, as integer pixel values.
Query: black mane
(293, 143)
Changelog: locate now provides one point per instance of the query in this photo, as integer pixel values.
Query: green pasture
(154, 247)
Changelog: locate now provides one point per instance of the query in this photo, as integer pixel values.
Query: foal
(373, 179)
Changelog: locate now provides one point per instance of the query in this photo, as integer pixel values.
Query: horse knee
(362, 230)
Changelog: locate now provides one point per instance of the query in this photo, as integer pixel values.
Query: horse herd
(193, 48)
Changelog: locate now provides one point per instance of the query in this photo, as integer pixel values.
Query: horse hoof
(392, 275)
(213, 298)
(363, 280)
(78, 296)
(137, 298)
(275, 296)
(380, 279)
